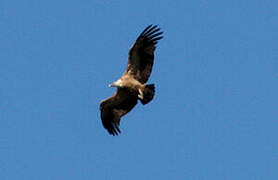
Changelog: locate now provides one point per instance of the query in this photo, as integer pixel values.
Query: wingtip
(113, 130)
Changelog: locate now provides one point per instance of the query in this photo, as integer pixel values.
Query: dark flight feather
(116, 106)
(141, 54)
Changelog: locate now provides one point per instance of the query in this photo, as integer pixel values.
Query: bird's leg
(140, 95)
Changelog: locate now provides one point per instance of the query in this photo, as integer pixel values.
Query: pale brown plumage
(131, 86)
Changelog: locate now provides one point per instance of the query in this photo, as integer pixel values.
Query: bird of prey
(132, 85)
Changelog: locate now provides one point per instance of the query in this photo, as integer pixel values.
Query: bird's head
(117, 83)
(112, 85)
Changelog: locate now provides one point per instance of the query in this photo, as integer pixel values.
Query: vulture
(132, 85)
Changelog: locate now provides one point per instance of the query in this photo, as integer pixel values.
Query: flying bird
(132, 85)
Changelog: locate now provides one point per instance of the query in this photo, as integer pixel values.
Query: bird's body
(128, 81)
(132, 85)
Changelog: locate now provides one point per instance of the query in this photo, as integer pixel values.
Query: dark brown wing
(141, 54)
(116, 106)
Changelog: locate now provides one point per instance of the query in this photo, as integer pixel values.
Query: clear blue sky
(214, 116)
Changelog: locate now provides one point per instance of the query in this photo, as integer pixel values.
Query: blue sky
(214, 115)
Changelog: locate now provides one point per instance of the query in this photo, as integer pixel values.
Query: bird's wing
(141, 54)
(116, 106)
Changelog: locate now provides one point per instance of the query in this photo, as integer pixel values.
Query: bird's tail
(147, 94)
